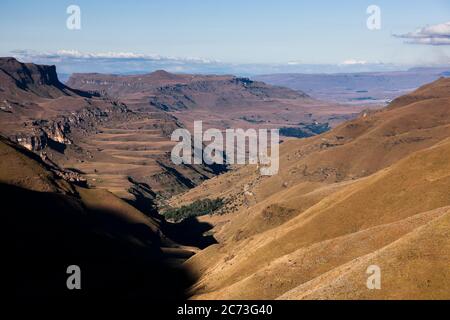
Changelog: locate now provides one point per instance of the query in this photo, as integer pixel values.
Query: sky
(183, 34)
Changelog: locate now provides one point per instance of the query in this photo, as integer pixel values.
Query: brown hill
(365, 193)
(161, 83)
(117, 85)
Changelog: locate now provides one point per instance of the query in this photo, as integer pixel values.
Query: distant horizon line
(126, 65)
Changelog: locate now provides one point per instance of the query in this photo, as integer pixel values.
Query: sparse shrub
(294, 132)
(305, 130)
(195, 209)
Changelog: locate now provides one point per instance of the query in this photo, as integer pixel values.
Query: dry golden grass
(414, 267)
(341, 200)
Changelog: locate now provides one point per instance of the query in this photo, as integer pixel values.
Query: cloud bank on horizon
(75, 54)
(435, 35)
(73, 61)
(70, 61)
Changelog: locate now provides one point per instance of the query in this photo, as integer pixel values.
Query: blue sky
(240, 32)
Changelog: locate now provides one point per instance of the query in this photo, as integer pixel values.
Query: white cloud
(111, 55)
(352, 62)
(104, 55)
(436, 35)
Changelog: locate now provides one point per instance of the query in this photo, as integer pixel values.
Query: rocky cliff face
(45, 132)
(40, 80)
(30, 74)
(38, 110)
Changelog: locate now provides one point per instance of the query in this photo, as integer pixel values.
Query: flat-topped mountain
(115, 85)
(40, 80)
(156, 83)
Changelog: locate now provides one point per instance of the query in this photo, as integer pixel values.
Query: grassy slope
(390, 176)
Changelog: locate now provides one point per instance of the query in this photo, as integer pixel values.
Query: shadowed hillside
(54, 224)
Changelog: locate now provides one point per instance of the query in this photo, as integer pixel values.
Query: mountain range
(86, 178)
